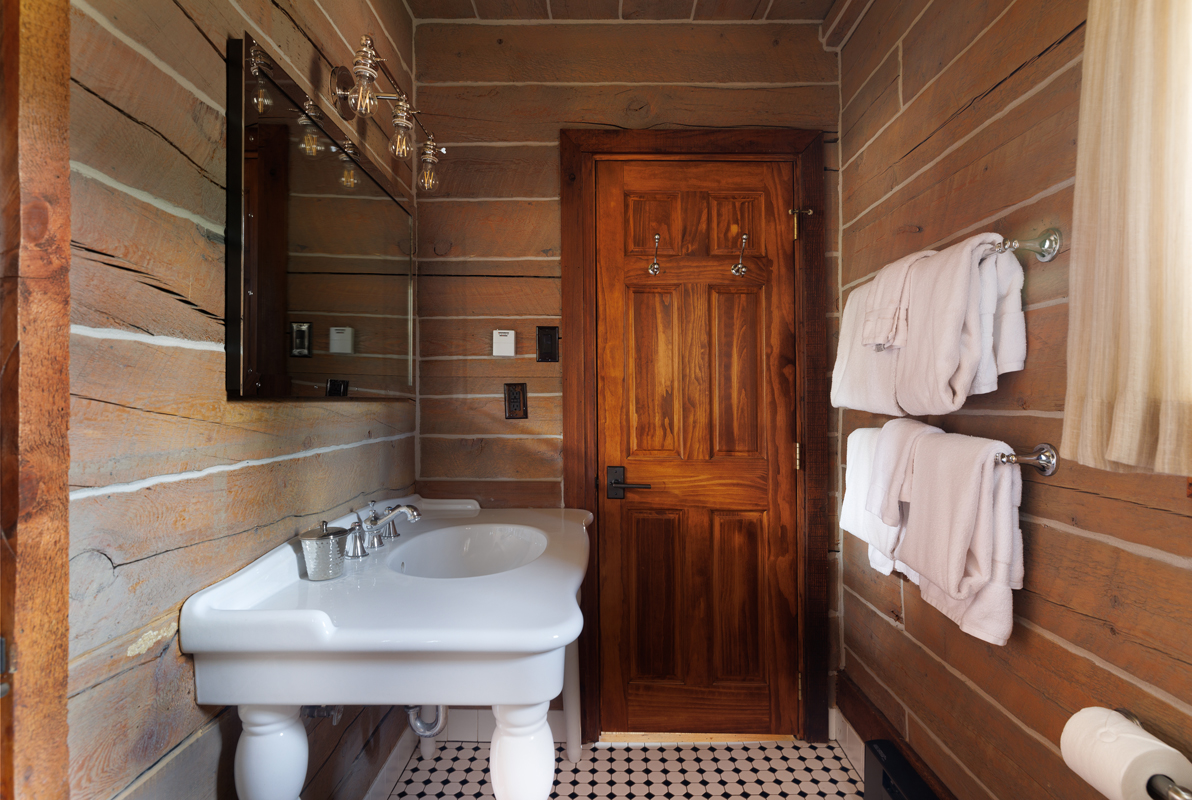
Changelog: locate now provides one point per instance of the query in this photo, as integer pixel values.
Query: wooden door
(696, 398)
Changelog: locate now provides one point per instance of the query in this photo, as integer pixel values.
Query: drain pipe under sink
(427, 730)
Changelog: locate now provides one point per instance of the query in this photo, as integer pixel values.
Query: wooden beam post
(34, 394)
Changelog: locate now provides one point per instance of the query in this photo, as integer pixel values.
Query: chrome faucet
(411, 513)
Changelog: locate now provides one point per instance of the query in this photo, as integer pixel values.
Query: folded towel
(884, 326)
(1009, 323)
(936, 368)
(1003, 326)
(962, 533)
(882, 539)
(890, 481)
(862, 378)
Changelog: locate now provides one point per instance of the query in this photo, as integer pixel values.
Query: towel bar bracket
(1045, 247)
(1044, 458)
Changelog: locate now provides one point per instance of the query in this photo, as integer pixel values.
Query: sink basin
(468, 551)
(468, 607)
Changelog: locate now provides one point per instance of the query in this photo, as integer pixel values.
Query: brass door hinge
(795, 212)
(798, 456)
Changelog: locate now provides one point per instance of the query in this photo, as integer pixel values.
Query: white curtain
(1129, 394)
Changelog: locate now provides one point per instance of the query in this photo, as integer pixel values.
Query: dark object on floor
(889, 776)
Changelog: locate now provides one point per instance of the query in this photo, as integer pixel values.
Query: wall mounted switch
(548, 343)
(515, 401)
(342, 340)
(504, 344)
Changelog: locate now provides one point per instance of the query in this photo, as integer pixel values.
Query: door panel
(695, 400)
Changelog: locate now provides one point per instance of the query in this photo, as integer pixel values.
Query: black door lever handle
(616, 484)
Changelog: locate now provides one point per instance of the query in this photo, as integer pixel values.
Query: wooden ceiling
(627, 10)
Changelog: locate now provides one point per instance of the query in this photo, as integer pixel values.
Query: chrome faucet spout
(411, 513)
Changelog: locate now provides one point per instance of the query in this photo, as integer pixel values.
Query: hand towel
(1003, 326)
(862, 378)
(882, 539)
(889, 486)
(962, 532)
(1009, 323)
(884, 325)
(936, 368)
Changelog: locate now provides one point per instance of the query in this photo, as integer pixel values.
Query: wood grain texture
(547, 268)
(139, 411)
(486, 415)
(498, 494)
(440, 296)
(525, 459)
(870, 722)
(883, 23)
(804, 10)
(593, 54)
(537, 113)
(482, 228)
(35, 213)
(883, 592)
(990, 742)
(140, 553)
(512, 9)
(499, 172)
(487, 376)
(872, 107)
(939, 36)
(887, 703)
(585, 9)
(957, 192)
(1018, 53)
(655, 9)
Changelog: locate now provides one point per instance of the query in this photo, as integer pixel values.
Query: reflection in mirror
(322, 282)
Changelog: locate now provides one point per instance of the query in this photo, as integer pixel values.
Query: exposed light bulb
(310, 144)
(261, 100)
(401, 144)
(349, 179)
(428, 179)
(403, 140)
(362, 99)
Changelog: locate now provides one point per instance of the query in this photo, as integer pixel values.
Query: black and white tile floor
(756, 770)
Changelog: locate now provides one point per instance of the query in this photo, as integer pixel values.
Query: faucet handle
(354, 546)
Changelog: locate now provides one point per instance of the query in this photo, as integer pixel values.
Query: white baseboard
(852, 744)
(386, 779)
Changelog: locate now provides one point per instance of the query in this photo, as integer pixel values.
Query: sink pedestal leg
(272, 752)
(522, 760)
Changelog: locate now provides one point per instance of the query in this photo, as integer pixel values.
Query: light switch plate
(503, 343)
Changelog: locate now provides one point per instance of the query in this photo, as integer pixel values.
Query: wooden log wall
(497, 95)
(173, 487)
(958, 118)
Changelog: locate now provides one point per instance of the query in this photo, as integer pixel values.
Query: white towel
(882, 539)
(884, 325)
(890, 482)
(1003, 326)
(862, 378)
(962, 532)
(936, 368)
(1009, 323)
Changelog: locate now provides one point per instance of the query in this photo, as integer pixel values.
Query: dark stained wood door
(696, 398)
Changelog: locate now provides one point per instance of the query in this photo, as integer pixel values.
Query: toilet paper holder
(1159, 787)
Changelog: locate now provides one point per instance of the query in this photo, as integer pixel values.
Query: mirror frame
(238, 112)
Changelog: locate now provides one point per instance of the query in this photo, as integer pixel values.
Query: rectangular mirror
(320, 289)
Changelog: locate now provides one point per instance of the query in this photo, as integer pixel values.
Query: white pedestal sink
(468, 606)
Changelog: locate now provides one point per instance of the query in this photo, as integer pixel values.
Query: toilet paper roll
(1117, 757)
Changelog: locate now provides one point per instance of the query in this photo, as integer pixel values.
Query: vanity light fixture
(354, 92)
(428, 179)
(260, 65)
(310, 116)
(349, 180)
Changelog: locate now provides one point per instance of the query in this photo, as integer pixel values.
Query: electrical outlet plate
(516, 406)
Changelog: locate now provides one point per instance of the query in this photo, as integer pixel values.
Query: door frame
(578, 152)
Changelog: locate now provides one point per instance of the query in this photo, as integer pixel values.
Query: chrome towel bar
(1044, 458)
